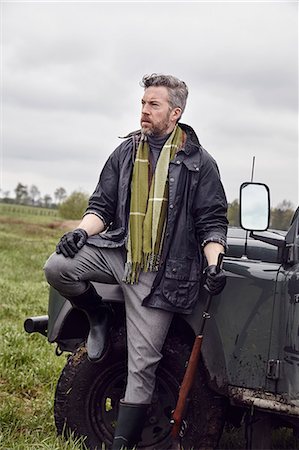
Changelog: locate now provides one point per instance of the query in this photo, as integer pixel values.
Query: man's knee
(54, 267)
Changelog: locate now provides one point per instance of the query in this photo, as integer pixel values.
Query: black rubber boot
(99, 316)
(130, 422)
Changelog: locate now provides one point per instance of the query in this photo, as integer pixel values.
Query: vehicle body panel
(289, 349)
(251, 341)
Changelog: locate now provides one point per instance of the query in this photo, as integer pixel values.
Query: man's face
(157, 118)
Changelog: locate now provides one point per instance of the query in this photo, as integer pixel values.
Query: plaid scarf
(148, 208)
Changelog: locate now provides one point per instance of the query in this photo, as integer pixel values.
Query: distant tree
(21, 192)
(281, 216)
(233, 214)
(74, 206)
(47, 201)
(60, 195)
(34, 194)
(6, 197)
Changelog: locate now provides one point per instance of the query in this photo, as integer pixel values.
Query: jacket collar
(192, 143)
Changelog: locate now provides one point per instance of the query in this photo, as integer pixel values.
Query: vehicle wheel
(87, 397)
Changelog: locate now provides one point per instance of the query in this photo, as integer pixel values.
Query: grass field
(29, 368)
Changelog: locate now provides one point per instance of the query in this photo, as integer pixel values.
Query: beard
(157, 129)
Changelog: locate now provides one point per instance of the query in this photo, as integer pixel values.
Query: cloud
(70, 86)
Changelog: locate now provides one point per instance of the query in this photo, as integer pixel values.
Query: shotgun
(189, 377)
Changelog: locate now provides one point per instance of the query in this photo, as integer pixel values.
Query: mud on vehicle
(250, 353)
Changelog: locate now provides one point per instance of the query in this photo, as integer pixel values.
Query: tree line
(69, 207)
(280, 216)
(31, 195)
(74, 205)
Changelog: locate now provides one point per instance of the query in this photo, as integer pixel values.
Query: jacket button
(178, 162)
(174, 270)
(171, 180)
(171, 206)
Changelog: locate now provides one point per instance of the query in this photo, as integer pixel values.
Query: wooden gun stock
(189, 377)
(186, 385)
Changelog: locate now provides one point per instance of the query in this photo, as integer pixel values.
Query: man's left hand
(215, 281)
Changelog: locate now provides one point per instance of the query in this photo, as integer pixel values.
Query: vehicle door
(288, 380)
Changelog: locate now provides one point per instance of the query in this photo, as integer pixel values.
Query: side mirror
(254, 206)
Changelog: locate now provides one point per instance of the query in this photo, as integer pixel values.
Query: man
(161, 204)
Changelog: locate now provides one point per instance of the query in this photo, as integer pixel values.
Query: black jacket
(196, 215)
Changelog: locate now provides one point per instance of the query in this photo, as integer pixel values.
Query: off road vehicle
(249, 365)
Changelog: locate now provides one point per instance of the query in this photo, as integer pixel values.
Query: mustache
(145, 119)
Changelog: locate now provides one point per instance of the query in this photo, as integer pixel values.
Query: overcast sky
(70, 74)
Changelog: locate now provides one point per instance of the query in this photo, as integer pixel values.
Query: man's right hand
(215, 280)
(72, 242)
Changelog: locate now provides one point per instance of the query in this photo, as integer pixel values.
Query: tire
(87, 397)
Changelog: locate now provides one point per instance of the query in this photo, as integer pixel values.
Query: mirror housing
(254, 206)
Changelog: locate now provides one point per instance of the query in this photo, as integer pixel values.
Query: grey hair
(177, 89)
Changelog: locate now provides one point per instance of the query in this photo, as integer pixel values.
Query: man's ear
(176, 114)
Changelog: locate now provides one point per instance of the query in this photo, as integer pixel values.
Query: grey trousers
(146, 327)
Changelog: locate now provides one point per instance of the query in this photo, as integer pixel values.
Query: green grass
(29, 367)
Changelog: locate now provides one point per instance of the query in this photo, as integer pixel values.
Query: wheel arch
(69, 327)
(97, 410)
(212, 353)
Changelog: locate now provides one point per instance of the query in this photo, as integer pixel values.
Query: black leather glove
(215, 281)
(71, 242)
